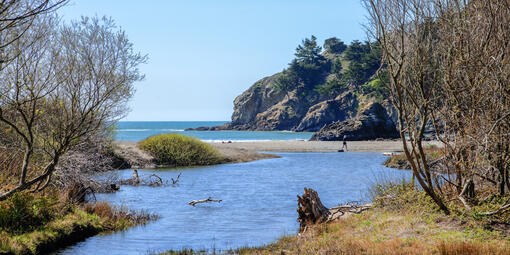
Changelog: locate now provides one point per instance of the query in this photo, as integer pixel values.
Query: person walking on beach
(344, 143)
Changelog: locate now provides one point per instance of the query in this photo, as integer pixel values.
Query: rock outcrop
(371, 123)
(316, 91)
(329, 111)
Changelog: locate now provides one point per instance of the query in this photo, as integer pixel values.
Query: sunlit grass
(180, 150)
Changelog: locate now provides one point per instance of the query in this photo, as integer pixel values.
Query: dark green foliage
(23, 212)
(332, 88)
(336, 66)
(375, 88)
(357, 50)
(179, 150)
(334, 45)
(309, 70)
(309, 67)
(309, 52)
(365, 59)
(286, 82)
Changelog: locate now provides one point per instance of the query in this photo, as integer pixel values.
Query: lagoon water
(139, 130)
(259, 201)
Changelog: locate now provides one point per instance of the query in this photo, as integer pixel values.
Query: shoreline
(237, 152)
(319, 146)
(137, 158)
(302, 145)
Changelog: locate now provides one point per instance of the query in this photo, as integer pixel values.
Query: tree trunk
(311, 211)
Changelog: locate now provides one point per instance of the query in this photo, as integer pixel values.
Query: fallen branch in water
(147, 181)
(176, 180)
(159, 182)
(209, 199)
(311, 211)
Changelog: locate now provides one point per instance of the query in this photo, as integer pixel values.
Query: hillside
(321, 86)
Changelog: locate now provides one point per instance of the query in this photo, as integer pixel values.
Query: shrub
(180, 150)
(23, 212)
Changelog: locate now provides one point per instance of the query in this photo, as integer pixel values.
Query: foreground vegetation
(409, 230)
(34, 224)
(179, 150)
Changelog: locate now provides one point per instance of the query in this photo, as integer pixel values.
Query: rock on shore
(371, 123)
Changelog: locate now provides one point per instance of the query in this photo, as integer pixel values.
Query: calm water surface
(259, 201)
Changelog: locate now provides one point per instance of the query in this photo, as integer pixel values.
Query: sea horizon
(139, 130)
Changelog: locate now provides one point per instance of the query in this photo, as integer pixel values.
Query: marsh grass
(179, 150)
(32, 224)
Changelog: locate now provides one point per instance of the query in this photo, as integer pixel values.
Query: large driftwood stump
(311, 211)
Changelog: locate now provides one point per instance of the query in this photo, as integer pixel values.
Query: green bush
(180, 150)
(23, 212)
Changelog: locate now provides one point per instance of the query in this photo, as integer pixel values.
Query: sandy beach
(317, 146)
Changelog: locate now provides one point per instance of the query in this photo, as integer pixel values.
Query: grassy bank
(38, 224)
(404, 221)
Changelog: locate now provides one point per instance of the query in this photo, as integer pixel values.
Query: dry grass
(115, 218)
(384, 232)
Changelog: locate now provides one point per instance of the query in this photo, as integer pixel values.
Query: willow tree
(72, 83)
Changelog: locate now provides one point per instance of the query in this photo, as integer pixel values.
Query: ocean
(139, 130)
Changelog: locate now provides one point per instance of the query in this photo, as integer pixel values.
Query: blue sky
(204, 53)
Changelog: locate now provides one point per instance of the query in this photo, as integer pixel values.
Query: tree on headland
(309, 65)
(334, 45)
(70, 82)
(306, 69)
(309, 52)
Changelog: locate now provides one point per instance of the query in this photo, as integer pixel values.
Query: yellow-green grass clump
(179, 150)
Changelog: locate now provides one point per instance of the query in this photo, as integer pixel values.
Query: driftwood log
(153, 180)
(209, 199)
(311, 211)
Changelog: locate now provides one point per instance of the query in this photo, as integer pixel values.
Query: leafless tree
(75, 84)
(449, 65)
(474, 52)
(16, 18)
(406, 33)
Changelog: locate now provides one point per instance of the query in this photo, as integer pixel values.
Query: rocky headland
(338, 94)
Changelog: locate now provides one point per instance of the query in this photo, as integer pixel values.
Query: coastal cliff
(318, 89)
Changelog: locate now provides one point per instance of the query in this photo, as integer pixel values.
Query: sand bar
(318, 146)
